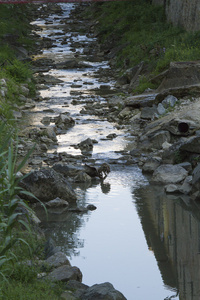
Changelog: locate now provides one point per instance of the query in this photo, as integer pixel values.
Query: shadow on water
(172, 230)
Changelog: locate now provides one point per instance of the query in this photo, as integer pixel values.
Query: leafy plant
(10, 202)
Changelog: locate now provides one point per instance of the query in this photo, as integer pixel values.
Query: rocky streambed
(93, 140)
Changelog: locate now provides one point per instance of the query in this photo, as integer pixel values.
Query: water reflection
(172, 231)
(109, 244)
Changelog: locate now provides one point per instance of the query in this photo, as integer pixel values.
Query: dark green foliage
(142, 31)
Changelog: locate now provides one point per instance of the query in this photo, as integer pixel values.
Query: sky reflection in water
(115, 247)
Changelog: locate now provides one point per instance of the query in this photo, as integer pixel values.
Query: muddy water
(138, 239)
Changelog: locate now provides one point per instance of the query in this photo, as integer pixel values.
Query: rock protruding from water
(104, 291)
(86, 145)
(64, 122)
(47, 184)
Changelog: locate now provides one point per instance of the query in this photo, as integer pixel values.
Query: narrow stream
(131, 239)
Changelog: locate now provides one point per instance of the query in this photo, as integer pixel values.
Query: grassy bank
(14, 32)
(139, 32)
(20, 246)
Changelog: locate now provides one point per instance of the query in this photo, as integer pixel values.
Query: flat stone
(143, 100)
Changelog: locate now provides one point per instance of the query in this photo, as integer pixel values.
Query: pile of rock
(167, 126)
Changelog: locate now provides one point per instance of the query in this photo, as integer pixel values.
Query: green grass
(145, 35)
(34, 290)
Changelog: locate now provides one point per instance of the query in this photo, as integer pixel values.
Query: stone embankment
(167, 125)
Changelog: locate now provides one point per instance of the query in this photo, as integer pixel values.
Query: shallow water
(138, 237)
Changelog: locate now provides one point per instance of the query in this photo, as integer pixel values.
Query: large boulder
(103, 291)
(47, 184)
(166, 174)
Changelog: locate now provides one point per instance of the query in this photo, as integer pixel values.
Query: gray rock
(82, 177)
(159, 138)
(103, 291)
(115, 101)
(191, 145)
(150, 165)
(143, 100)
(86, 145)
(46, 140)
(186, 165)
(166, 145)
(111, 136)
(171, 188)
(196, 183)
(186, 186)
(47, 184)
(169, 174)
(181, 74)
(161, 109)
(61, 168)
(50, 133)
(68, 295)
(57, 260)
(65, 273)
(169, 101)
(78, 288)
(64, 121)
(148, 113)
(57, 203)
(46, 120)
(125, 112)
